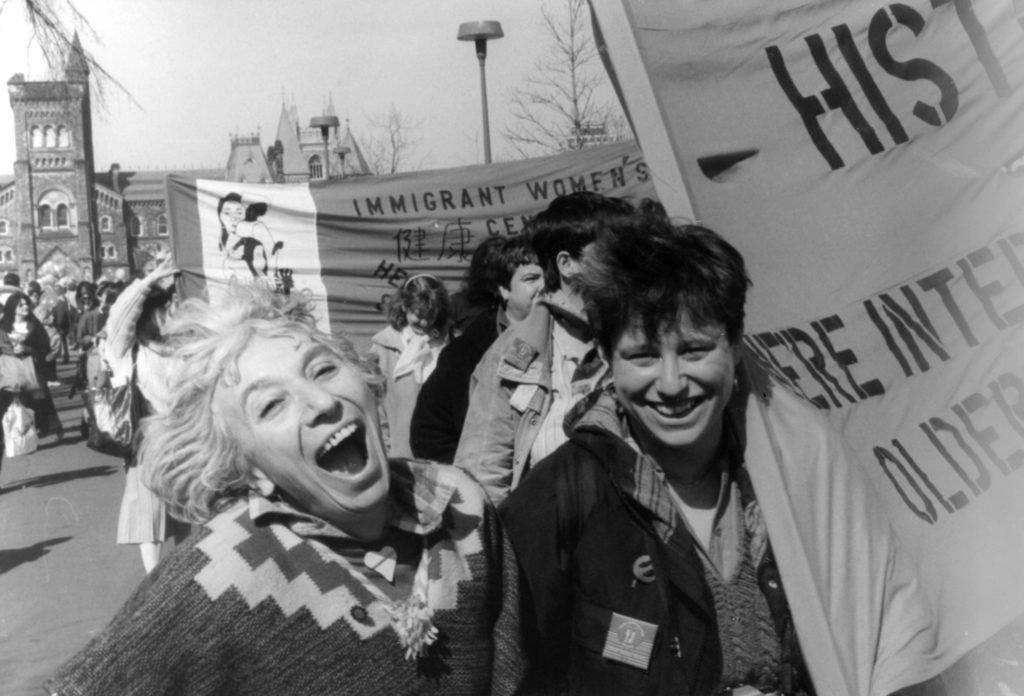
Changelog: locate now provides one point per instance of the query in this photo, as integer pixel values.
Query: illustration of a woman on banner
(246, 241)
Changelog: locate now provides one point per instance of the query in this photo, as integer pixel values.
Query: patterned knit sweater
(259, 603)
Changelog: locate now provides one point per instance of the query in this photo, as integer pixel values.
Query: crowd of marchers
(568, 477)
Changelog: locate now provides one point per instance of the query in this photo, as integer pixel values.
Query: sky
(198, 71)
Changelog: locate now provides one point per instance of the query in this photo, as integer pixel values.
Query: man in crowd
(535, 372)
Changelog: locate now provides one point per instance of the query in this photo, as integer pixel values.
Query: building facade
(60, 219)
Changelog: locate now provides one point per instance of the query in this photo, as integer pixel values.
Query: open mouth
(345, 451)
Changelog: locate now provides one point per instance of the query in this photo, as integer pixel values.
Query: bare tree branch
(53, 24)
(561, 107)
(392, 142)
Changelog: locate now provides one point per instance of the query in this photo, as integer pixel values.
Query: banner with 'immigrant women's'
(867, 158)
(352, 242)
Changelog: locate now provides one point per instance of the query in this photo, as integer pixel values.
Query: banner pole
(644, 108)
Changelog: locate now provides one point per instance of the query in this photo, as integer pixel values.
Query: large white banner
(867, 158)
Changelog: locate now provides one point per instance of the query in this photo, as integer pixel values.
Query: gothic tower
(54, 209)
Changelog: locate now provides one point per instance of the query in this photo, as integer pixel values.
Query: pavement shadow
(12, 558)
(62, 477)
(72, 437)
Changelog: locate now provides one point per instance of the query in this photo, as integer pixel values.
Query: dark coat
(444, 398)
(63, 317)
(579, 539)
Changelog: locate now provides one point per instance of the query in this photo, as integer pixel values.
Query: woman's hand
(163, 270)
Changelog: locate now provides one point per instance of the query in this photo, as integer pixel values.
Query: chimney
(115, 177)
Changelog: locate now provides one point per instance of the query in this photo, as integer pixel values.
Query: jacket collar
(527, 354)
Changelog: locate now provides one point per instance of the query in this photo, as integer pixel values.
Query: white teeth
(337, 438)
(675, 410)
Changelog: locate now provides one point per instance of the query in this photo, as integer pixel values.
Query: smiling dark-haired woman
(704, 531)
(321, 567)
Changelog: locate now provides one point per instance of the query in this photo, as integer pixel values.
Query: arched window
(106, 225)
(37, 136)
(161, 225)
(45, 216)
(4, 229)
(54, 210)
(50, 136)
(6, 255)
(137, 227)
(63, 137)
(108, 251)
(316, 167)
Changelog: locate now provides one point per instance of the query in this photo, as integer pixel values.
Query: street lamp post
(481, 33)
(325, 124)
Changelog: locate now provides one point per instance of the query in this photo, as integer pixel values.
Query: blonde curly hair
(188, 457)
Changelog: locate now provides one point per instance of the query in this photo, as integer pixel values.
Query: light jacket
(510, 396)
(402, 391)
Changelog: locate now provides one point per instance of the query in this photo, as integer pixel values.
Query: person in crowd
(133, 348)
(89, 317)
(34, 291)
(26, 338)
(88, 324)
(444, 399)
(532, 375)
(97, 298)
(478, 293)
(321, 567)
(12, 284)
(63, 320)
(419, 326)
(44, 311)
(703, 531)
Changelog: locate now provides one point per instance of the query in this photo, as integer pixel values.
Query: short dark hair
(478, 285)
(83, 287)
(646, 270)
(514, 252)
(12, 279)
(568, 224)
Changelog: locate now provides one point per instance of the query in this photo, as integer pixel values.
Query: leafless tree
(54, 25)
(562, 106)
(392, 143)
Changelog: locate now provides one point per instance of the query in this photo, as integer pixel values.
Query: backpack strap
(575, 499)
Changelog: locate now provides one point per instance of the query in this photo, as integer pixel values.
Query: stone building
(60, 219)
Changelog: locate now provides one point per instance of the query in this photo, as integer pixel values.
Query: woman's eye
(326, 370)
(696, 352)
(642, 359)
(271, 408)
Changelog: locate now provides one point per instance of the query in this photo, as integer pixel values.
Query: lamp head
(480, 33)
(324, 123)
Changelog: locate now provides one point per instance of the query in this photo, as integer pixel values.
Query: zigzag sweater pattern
(252, 608)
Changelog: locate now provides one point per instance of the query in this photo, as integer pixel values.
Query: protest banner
(351, 242)
(867, 159)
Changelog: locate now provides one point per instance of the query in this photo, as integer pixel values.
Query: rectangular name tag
(629, 641)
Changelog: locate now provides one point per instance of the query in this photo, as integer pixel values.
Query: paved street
(61, 574)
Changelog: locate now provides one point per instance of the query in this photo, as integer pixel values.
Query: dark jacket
(444, 398)
(63, 316)
(579, 538)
